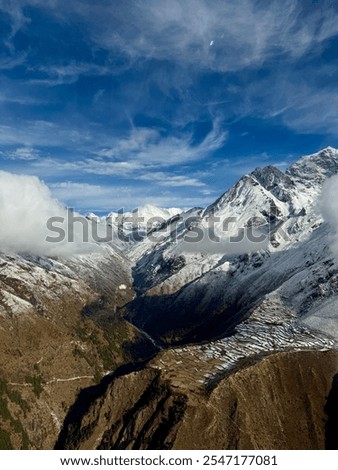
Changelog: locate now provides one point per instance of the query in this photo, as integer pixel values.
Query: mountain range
(222, 319)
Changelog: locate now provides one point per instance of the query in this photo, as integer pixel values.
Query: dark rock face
(152, 414)
(275, 181)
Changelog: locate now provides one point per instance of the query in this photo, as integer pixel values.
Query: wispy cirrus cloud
(47, 166)
(22, 153)
(40, 133)
(141, 149)
(12, 61)
(17, 19)
(244, 35)
(54, 75)
(304, 100)
(224, 36)
(148, 145)
(315, 111)
(190, 30)
(170, 180)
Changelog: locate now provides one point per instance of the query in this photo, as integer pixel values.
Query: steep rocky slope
(274, 403)
(58, 334)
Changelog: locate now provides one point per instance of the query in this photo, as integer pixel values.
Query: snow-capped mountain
(143, 217)
(150, 211)
(131, 226)
(312, 170)
(183, 282)
(282, 205)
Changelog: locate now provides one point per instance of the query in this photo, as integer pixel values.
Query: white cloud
(148, 146)
(25, 207)
(68, 74)
(138, 155)
(166, 179)
(328, 207)
(43, 133)
(314, 111)
(23, 153)
(305, 100)
(243, 33)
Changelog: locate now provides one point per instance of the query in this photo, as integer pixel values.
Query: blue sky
(124, 102)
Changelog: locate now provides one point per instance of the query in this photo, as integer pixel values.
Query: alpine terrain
(222, 319)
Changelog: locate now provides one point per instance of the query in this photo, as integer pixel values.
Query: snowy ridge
(29, 282)
(270, 328)
(283, 206)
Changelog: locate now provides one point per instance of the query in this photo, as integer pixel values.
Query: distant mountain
(147, 212)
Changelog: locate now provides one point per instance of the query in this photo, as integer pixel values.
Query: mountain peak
(316, 167)
(323, 153)
(329, 150)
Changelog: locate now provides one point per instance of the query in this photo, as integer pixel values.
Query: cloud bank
(25, 206)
